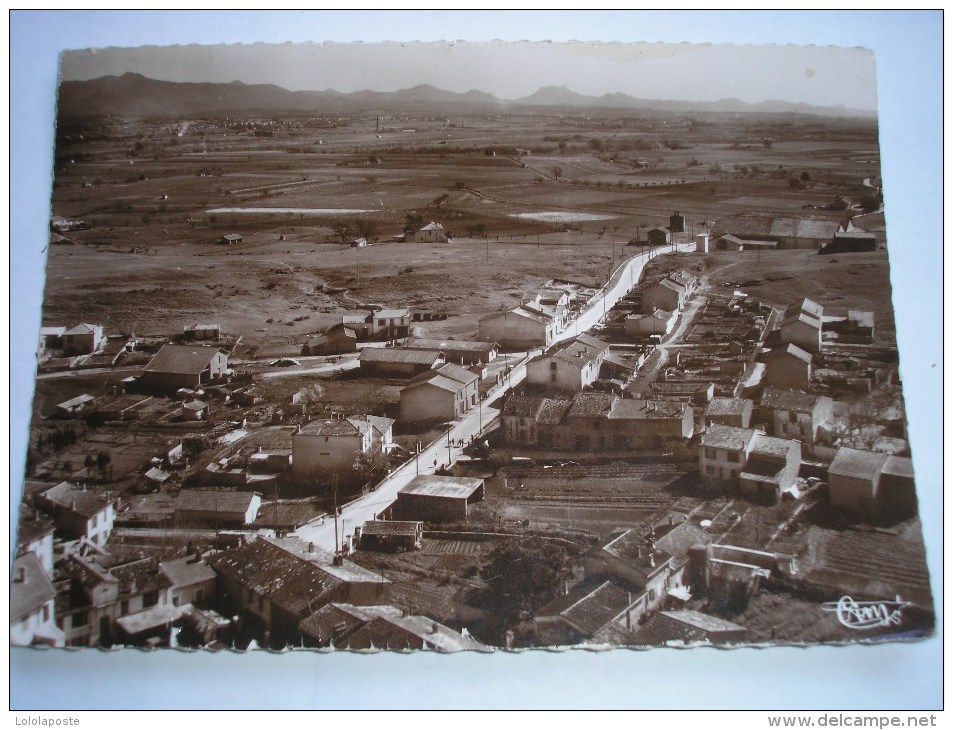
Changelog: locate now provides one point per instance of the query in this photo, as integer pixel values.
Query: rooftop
(719, 436)
(399, 355)
(213, 500)
(589, 607)
(772, 446)
(702, 621)
(85, 502)
(390, 528)
(433, 485)
(789, 400)
(580, 352)
(857, 464)
(421, 343)
(647, 409)
(181, 359)
(31, 525)
(591, 405)
(721, 406)
(33, 591)
(790, 350)
(186, 571)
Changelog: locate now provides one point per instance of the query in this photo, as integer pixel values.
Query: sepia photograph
(484, 347)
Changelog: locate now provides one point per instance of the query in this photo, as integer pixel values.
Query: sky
(822, 76)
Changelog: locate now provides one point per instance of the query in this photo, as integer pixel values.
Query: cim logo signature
(863, 615)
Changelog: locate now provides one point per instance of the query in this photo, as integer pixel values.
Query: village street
(443, 451)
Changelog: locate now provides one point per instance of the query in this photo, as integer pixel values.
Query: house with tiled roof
(332, 445)
(596, 422)
(79, 513)
(106, 599)
(444, 394)
(788, 366)
(461, 352)
(665, 294)
(83, 339)
(748, 462)
(32, 605)
(184, 366)
(685, 627)
(803, 330)
(657, 322)
(35, 535)
(585, 610)
(190, 580)
(218, 508)
(794, 414)
(729, 411)
(398, 362)
(433, 232)
(275, 585)
(344, 626)
(520, 328)
(571, 367)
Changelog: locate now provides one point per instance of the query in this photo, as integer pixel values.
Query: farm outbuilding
(183, 366)
(231, 238)
(434, 498)
(391, 535)
(83, 339)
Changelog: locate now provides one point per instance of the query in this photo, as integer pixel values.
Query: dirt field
(149, 262)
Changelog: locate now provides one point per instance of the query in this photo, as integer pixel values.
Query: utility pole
(334, 503)
(449, 455)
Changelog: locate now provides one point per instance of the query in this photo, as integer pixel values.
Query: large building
(571, 367)
(788, 367)
(83, 339)
(397, 362)
(784, 231)
(520, 328)
(460, 352)
(184, 366)
(595, 422)
(444, 394)
(325, 447)
(665, 294)
(79, 513)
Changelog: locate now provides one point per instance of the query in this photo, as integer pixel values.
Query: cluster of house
(662, 300)
(214, 574)
(81, 339)
(378, 325)
(638, 581)
(535, 322)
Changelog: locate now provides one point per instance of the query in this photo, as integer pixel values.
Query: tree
(104, 463)
(524, 576)
(371, 466)
(414, 221)
(557, 172)
(342, 232)
(366, 227)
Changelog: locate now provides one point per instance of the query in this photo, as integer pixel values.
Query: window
(150, 599)
(792, 417)
(46, 612)
(124, 608)
(552, 365)
(710, 454)
(80, 618)
(734, 457)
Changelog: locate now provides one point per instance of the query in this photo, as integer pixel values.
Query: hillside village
(669, 458)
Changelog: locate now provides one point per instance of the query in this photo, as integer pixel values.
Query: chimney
(433, 628)
(310, 547)
(651, 560)
(338, 560)
(20, 576)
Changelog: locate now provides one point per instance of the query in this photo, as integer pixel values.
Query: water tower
(676, 222)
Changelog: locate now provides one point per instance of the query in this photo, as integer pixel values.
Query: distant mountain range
(133, 95)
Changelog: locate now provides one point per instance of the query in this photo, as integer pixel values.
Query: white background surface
(908, 50)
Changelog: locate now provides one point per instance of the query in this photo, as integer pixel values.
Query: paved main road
(442, 451)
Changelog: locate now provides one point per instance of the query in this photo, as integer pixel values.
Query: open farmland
(528, 197)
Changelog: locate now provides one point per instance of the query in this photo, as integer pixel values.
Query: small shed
(392, 535)
(230, 238)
